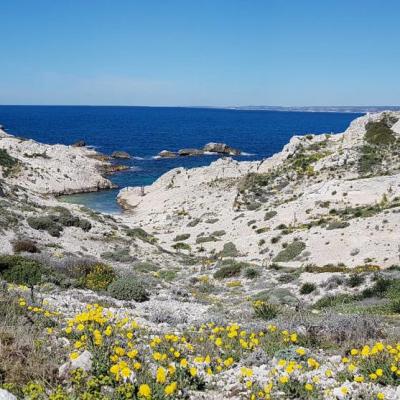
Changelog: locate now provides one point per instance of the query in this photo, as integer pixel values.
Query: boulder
(121, 154)
(79, 143)
(84, 362)
(6, 395)
(166, 154)
(190, 152)
(221, 148)
(2, 194)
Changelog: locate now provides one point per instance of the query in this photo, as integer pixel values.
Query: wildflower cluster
(135, 363)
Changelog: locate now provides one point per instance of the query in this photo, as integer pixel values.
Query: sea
(144, 131)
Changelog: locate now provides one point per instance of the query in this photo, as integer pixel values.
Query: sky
(200, 52)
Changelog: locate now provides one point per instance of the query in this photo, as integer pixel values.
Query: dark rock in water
(221, 148)
(121, 154)
(166, 154)
(79, 143)
(190, 152)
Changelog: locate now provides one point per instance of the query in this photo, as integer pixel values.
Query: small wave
(138, 158)
(243, 153)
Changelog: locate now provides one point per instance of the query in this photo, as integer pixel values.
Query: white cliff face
(52, 169)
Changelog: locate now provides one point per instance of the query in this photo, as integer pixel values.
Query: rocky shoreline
(274, 279)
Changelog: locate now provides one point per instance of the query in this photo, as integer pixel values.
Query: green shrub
(181, 246)
(334, 300)
(314, 269)
(218, 233)
(142, 235)
(355, 280)
(96, 276)
(291, 251)
(21, 271)
(205, 239)
(337, 225)
(379, 133)
(45, 223)
(307, 288)
(145, 267)
(128, 288)
(193, 222)
(379, 289)
(229, 250)
(7, 162)
(269, 214)
(180, 238)
(229, 269)
(265, 310)
(119, 255)
(251, 273)
(55, 223)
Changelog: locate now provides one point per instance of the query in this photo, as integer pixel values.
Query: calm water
(145, 131)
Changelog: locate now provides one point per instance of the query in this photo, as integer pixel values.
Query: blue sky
(200, 52)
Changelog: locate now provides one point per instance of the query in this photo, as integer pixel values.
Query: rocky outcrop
(79, 143)
(221, 148)
(53, 169)
(121, 155)
(166, 154)
(190, 152)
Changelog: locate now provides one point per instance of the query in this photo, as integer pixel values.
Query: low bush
(183, 236)
(181, 246)
(229, 269)
(145, 267)
(307, 288)
(96, 276)
(269, 214)
(55, 223)
(229, 250)
(379, 133)
(128, 288)
(141, 234)
(205, 239)
(45, 223)
(25, 245)
(265, 310)
(251, 273)
(291, 251)
(354, 280)
(21, 271)
(119, 255)
(334, 300)
(6, 162)
(337, 225)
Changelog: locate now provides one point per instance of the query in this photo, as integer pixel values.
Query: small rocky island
(270, 279)
(210, 148)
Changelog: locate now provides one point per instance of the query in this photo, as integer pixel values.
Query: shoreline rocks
(166, 154)
(221, 148)
(123, 155)
(79, 143)
(213, 148)
(190, 152)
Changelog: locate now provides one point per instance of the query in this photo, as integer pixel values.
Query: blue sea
(145, 131)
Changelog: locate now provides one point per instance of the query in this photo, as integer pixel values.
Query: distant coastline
(339, 109)
(330, 109)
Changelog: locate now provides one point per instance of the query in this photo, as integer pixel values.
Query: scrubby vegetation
(128, 288)
(7, 162)
(291, 251)
(54, 223)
